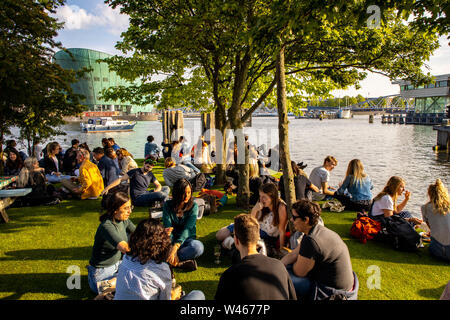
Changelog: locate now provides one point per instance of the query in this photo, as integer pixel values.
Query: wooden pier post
(172, 121)
(389, 119)
(443, 137)
(208, 123)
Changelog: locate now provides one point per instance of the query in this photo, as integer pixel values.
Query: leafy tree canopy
(35, 93)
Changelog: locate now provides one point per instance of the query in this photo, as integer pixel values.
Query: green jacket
(184, 227)
(107, 237)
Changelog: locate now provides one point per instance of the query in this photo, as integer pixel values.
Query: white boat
(107, 124)
(344, 113)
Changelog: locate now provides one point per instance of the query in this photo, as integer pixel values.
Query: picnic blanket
(6, 180)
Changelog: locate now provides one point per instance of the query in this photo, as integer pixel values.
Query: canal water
(384, 149)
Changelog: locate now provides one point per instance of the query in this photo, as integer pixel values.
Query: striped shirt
(151, 281)
(171, 175)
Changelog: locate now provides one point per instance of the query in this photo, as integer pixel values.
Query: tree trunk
(236, 123)
(283, 130)
(2, 134)
(220, 119)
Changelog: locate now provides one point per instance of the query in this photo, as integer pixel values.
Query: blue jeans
(146, 199)
(302, 285)
(405, 214)
(438, 250)
(194, 295)
(190, 165)
(262, 234)
(55, 179)
(99, 274)
(190, 249)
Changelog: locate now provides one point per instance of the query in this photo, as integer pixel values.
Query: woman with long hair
(111, 239)
(271, 213)
(355, 191)
(126, 161)
(53, 164)
(385, 203)
(176, 152)
(14, 163)
(436, 214)
(303, 186)
(180, 219)
(32, 176)
(144, 273)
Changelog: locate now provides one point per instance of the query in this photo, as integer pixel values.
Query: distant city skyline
(94, 25)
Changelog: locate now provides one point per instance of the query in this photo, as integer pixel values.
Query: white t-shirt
(385, 203)
(267, 226)
(318, 176)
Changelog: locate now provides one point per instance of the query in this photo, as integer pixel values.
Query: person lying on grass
(111, 240)
(144, 273)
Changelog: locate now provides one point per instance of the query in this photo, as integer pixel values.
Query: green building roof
(95, 81)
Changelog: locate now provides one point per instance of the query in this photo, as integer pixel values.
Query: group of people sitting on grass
(82, 174)
(136, 262)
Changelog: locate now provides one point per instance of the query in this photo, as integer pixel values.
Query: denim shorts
(99, 274)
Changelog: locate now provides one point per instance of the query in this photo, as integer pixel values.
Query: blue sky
(94, 25)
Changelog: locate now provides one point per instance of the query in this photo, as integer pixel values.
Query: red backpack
(365, 229)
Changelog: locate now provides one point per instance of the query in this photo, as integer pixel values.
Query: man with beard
(140, 180)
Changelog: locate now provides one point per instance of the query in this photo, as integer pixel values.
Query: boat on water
(344, 113)
(107, 124)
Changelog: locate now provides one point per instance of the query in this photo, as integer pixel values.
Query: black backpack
(399, 233)
(210, 203)
(198, 182)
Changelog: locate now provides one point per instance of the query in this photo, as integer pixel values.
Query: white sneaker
(228, 242)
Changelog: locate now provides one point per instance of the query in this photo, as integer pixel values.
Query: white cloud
(76, 18)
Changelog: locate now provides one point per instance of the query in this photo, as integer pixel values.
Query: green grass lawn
(39, 244)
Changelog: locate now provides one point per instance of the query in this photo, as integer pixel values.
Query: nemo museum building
(93, 82)
(430, 101)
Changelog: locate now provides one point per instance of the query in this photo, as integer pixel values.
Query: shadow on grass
(434, 293)
(80, 253)
(43, 215)
(208, 287)
(43, 283)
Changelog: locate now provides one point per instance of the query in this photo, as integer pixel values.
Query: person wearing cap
(140, 180)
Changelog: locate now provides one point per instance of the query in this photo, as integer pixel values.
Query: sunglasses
(295, 217)
(150, 162)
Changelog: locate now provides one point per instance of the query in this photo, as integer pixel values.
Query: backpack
(201, 207)
(399, 233)
(365, 229)
(198, 182)
(210, 203)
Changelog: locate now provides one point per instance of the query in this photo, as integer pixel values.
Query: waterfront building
(93, 82)
(430, 101)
